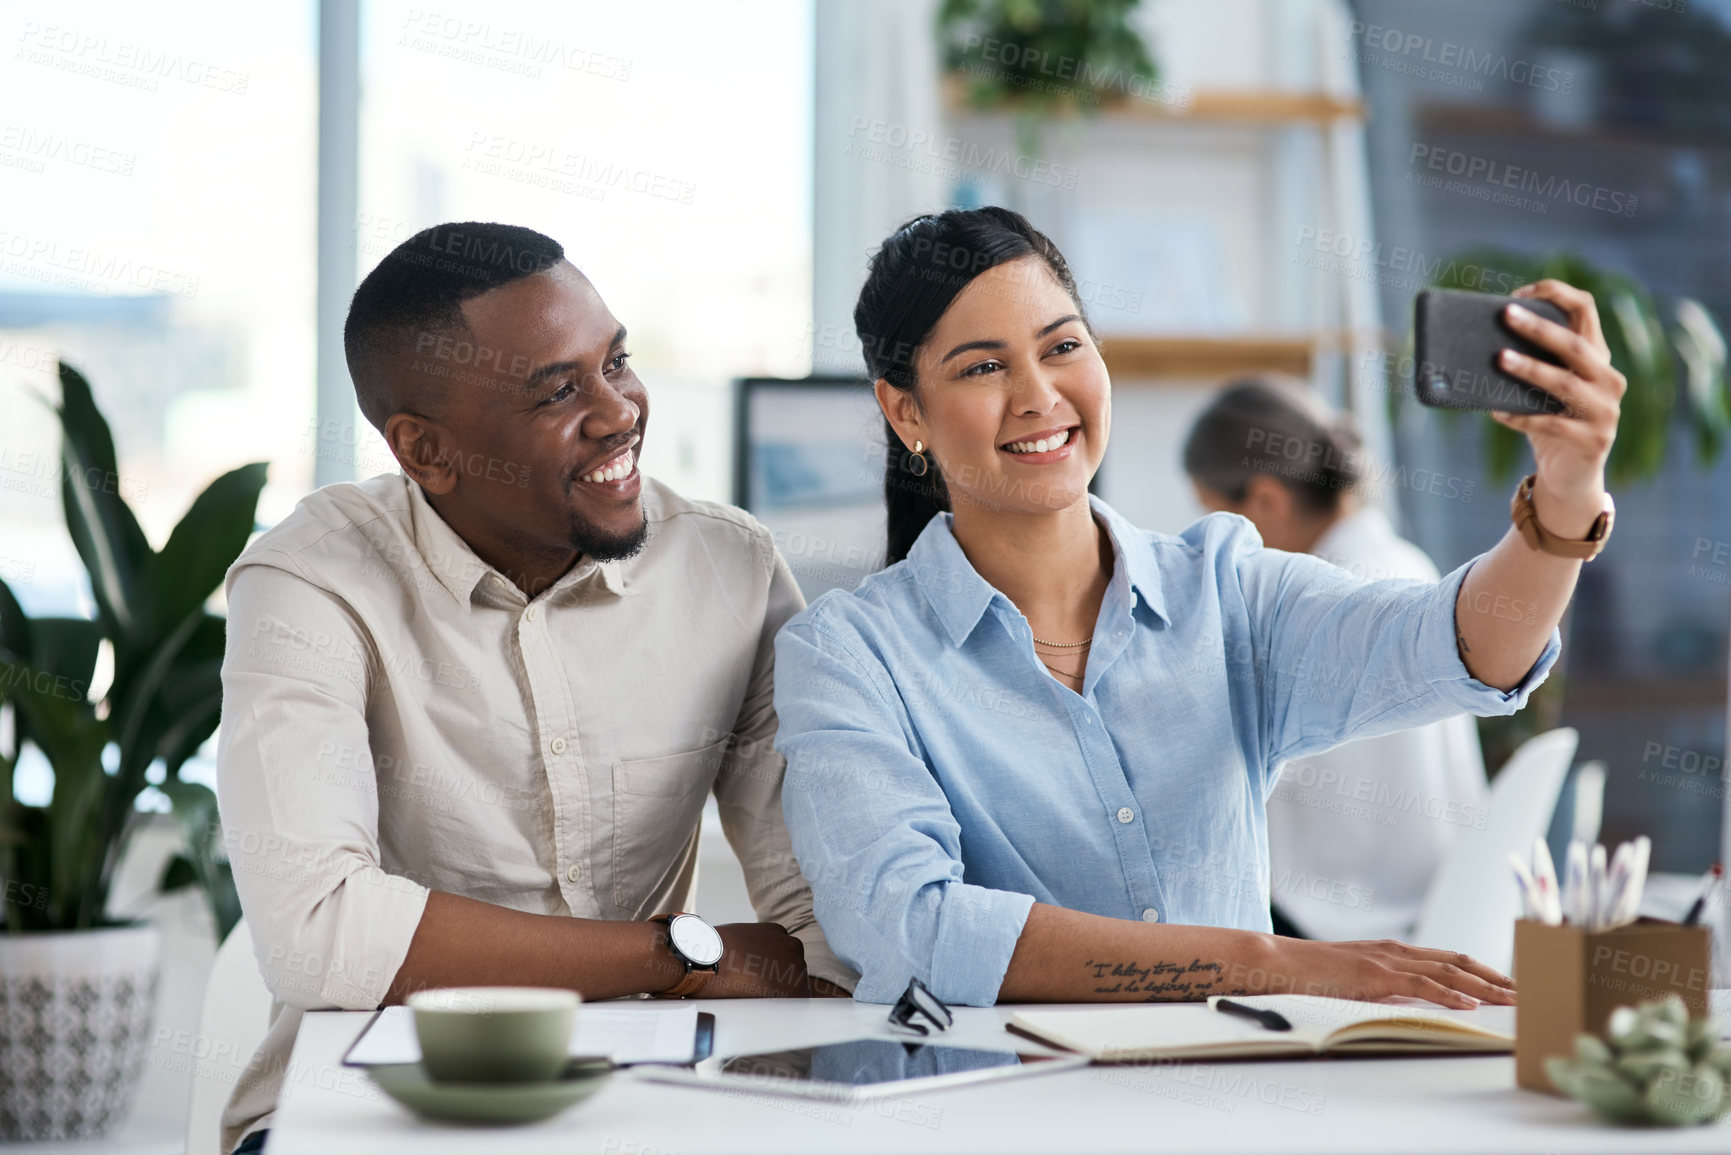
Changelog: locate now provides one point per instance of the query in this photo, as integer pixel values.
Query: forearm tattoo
(1157, 982)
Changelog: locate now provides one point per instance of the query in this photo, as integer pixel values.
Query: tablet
(860, 1070)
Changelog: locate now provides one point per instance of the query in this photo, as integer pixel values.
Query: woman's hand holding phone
(1569, 448)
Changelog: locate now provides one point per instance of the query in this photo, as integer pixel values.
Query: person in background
(1355, 834)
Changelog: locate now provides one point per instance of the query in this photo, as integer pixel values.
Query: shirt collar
(447, 556)
(1135, 551)
(459, 569)
(952, 586)
(959, 595)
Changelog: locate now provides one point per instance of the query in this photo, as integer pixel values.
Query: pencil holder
(1571, 979)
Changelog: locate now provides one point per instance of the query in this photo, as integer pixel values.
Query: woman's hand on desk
(1376, 970)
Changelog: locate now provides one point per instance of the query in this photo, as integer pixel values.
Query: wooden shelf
(1206, 357)
(1215, 106)
(1272, 107)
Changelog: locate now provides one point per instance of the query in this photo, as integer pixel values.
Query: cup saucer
(491, 1103)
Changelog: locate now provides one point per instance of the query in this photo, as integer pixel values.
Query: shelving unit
(1189, 357)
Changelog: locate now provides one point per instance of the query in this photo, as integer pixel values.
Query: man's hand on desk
(759, 960)
(1375, 970)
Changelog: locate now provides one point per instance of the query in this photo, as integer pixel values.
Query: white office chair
(1473, 902)
(236, 1014)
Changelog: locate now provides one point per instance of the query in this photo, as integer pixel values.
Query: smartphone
(1457, 336)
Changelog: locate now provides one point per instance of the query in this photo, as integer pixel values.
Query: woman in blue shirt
(1029, 760)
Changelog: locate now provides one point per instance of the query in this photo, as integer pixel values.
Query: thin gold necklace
(1066, 645)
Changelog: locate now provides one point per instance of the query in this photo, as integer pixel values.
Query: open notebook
(1120, 1034)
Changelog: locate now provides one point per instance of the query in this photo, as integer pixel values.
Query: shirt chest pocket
(657, 804)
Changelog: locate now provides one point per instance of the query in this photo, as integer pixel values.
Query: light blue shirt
(940, 781)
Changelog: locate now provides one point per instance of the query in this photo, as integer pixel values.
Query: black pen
(1273, 1020)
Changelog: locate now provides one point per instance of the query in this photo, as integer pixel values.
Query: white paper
(628, 1033)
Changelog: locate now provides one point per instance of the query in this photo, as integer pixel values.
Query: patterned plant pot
(75, 1014)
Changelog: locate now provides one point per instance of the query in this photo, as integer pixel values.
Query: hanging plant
(1042, 58)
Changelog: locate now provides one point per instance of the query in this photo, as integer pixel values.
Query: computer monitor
(809, 464)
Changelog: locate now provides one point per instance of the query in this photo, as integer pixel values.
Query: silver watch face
(695, 939)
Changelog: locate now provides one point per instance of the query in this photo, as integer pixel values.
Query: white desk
(1450, 1105)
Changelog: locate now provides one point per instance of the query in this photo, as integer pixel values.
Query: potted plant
(76, 989)
(1044, 57)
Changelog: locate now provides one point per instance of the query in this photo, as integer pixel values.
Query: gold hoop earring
(917, 464)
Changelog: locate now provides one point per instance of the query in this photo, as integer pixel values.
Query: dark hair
(1276, 426)
(420, 287)
(914, 275)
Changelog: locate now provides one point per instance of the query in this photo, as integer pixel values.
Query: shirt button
(575, 872)
(1125, 814)
(530, 614)
(1149, 915)
(558, 745)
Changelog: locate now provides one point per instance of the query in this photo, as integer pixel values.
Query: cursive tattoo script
(1157, 982)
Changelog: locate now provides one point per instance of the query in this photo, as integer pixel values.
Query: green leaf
(1701, 351)
(224, 899)
(15, 636)
(66, 648)
(186, 715)
(177, 875)
(102, 526)
(202, 547)
(62, 725)
(195, 809)
(189, 704)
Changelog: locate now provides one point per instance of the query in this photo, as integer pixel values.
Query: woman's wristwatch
(697, 947)
(1526, 520)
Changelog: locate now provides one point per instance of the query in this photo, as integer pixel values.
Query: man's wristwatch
(695, 945)
(1526, 520)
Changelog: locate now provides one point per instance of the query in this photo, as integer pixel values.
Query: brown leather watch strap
(694, 981)
(1526, 520)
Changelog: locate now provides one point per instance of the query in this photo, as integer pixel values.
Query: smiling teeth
(1044, 445)
(619, 467)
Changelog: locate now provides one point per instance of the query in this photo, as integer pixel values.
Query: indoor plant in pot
(1045, 58)
(76, 989)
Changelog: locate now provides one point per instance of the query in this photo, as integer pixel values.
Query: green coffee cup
(494, 1034)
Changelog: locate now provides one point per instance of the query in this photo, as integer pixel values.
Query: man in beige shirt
(471, 713)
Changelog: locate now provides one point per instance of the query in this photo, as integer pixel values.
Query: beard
(592, 542)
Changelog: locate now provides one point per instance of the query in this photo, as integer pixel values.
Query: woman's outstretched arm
(1516, 594)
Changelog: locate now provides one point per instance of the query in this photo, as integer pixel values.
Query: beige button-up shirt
(398, 717)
